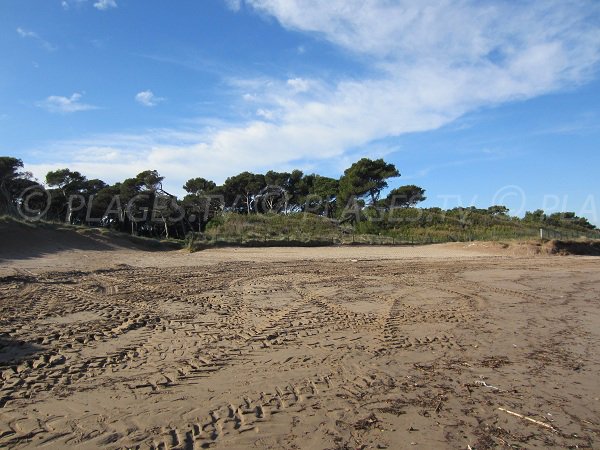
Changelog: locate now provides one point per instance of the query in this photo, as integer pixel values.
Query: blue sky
(479, 102)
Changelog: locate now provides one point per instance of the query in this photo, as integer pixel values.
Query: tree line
(140, 205)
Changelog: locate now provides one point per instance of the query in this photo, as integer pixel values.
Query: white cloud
(265, 113)
(234, 5)
(429, 63)
(147, 98)
(298, 84)
(65, 105)
(27, 34)
(103, 5)
(66, 4)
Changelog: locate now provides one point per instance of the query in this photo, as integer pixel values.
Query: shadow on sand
(14, 351)
(23, 241)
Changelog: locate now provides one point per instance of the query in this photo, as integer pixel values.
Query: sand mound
(586, 248)
(21, 240)
(537, 248)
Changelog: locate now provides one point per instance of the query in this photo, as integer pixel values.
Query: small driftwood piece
(484, 384)
(521, 416)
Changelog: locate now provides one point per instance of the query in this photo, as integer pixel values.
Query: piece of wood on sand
(521, 416)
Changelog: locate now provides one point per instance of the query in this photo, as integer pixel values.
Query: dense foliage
(250, 203)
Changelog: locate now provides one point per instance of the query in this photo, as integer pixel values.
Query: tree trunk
(372, 198)
(166, 227)
(7, 200)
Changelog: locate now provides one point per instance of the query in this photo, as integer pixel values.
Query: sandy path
(319, 348)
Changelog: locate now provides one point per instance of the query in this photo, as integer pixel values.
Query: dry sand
(354, 347)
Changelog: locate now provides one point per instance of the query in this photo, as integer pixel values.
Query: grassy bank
(414, 227)
(308, 230)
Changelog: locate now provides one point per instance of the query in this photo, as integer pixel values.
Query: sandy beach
(450, 346)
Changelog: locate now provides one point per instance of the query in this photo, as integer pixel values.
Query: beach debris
(530, 419)
(484, 384)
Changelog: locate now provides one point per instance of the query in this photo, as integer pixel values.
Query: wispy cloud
(298, 84)
(431, 62)
(65, 105)
(423, 172)
(147, 98)
(580, 125)
(27, 34)
(103, 5)
(66, 4)
(268, 115)
(234, 5)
